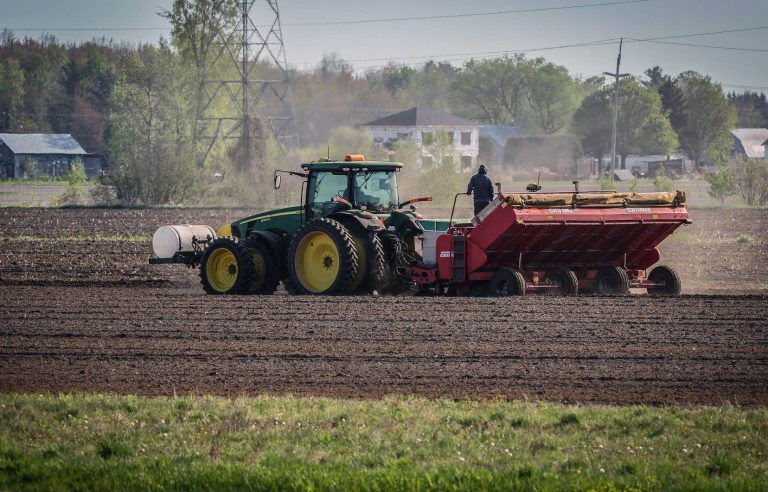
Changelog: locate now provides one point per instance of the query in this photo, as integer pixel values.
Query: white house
(423, 126)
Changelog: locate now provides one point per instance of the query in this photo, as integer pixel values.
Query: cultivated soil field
(83, 311)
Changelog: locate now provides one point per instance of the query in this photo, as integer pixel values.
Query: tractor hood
(286, 220)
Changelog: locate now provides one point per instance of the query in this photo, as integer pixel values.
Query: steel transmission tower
(239, 49)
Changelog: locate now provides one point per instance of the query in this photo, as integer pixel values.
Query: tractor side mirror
(277, 181)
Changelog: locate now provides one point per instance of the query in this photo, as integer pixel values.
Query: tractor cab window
(376, 191)
(323, 186)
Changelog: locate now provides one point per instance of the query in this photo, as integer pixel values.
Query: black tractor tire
(267, 267)
(569, 282)
(611, 281)
(507, 282)
(335, 264)
(371, 263)
(672, 285)
(227, 267)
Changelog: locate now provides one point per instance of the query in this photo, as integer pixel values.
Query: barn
(34, 155)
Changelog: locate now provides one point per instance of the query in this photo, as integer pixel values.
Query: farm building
(750, 142)
(31, 155)
(424, 126)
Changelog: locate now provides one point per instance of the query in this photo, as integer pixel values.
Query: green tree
(661, 182)
(671, 95)
(592, 125)
(76, 178)
(553, 97)
(11, 95)
(751, 109)
(751, 176)
(708, 116)
(493, 90)
(722, 184)
(151, 140)
(432, 83)
(195, 29)
(643, 127)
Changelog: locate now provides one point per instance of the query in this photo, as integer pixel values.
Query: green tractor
(349, 236)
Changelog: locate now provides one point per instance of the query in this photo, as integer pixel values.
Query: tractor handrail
(450, 221)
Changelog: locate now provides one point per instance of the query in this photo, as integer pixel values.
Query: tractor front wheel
(322, 258)
(227, 267)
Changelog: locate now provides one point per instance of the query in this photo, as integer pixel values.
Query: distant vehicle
(637, 172)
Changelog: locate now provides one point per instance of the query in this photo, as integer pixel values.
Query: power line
(709, 46)
(455, 16)
(598, 42)
(358, 21)
(57, 29)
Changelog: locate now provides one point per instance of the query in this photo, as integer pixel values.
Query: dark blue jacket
(482, 186)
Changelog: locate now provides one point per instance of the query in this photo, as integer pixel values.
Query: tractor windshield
(376, 191)
(323, 187)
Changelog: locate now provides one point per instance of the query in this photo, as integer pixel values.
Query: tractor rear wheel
(672, 285)
(507, 282)
(611, 281)
(370, 263)
(322, 258)
(569, 283)
(227, 267)
(266, 268)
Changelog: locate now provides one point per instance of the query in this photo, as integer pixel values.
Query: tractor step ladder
(459, 259)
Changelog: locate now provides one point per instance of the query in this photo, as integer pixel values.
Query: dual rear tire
(231, 266)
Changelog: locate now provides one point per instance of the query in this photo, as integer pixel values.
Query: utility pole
(617, 76)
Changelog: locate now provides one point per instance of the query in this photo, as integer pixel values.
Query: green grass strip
(106, 442)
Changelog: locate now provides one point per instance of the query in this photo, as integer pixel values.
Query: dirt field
(82, 310)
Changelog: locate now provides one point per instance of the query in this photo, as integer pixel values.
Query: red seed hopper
(559, 242)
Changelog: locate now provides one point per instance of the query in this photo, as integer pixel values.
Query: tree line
(140, 105)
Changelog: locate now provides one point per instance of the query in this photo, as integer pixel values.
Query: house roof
(752, 140)
(42, 143)
(421, 117)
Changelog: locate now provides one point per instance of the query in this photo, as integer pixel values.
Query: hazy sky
(452, 38)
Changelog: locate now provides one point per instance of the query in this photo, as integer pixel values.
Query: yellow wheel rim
(361, 264)
(260, 267)
(221, 270)
(317, 262)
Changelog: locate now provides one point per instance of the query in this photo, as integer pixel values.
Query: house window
(403, 136)
(427, 138)
(466, 138)
(466, 161)
(450, 138)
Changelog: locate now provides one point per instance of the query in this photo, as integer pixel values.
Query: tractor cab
(354, 184)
